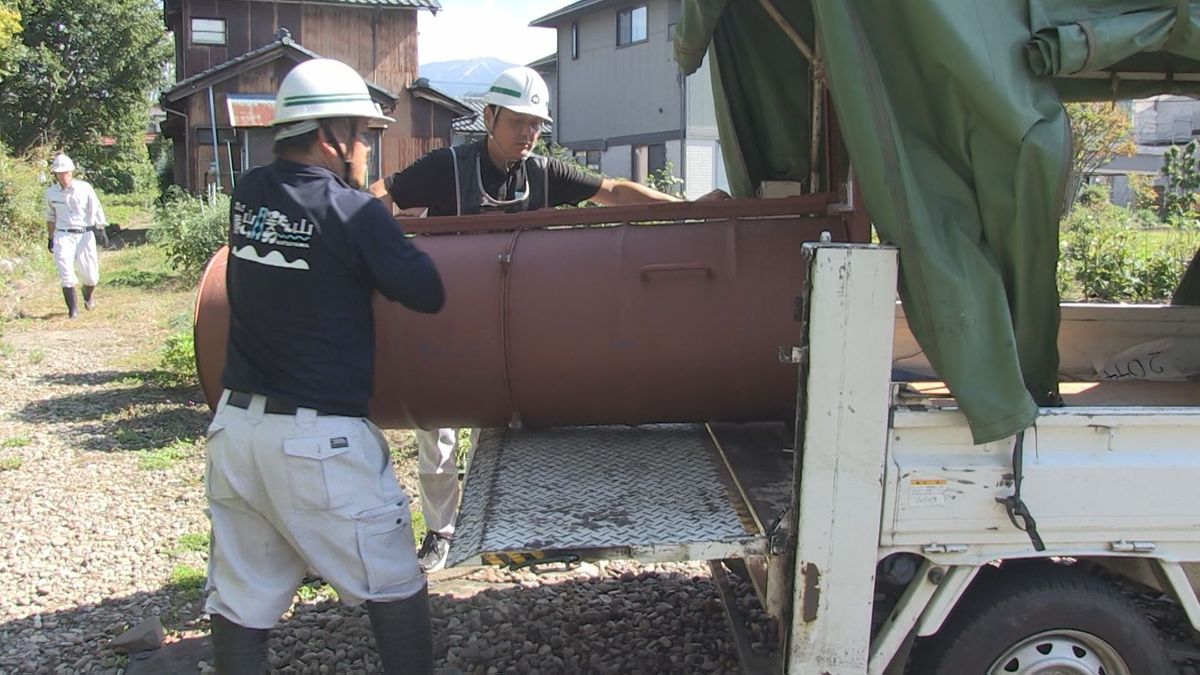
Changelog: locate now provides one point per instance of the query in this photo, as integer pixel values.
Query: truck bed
(1116, 393)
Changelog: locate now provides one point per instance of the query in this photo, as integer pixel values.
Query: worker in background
(298, 478)
(74, 220)
(498, 174)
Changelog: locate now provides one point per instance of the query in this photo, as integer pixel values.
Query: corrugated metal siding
(700, 169)
(610, 91)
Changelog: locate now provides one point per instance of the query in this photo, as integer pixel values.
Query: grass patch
(16, 442)
(195, 542)
(130, 380)
(36, 356)
(188, 580)
(11, 463)
(139, 278)
(418, 526)
(164, 458)
(143, 267)
(134, 209)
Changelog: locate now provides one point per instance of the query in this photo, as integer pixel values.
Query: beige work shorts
(288, 493)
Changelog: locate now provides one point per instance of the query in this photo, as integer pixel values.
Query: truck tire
(1049, 619)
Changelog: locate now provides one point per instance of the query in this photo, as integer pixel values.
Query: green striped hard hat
(521, 90)
(318, 89)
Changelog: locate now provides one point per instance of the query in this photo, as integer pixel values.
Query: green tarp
(952, 115)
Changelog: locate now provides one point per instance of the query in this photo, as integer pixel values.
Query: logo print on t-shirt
(271, 227)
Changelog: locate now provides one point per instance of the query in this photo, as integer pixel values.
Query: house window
(208, 31)
(631, 25)
(575, 40)
(591, 160)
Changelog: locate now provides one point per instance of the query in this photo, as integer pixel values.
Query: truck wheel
(1052, 620)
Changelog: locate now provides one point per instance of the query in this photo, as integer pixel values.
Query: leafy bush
(1181, 166)
(178, 364)
(664, 180)
(190, 229)
(1107, 254)
(22, 202)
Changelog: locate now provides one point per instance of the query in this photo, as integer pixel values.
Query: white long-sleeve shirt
(76, 207)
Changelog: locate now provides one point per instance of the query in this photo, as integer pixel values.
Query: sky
(466, 29)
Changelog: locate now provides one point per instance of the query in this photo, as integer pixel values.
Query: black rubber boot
(72, 303)
(88, 303)
(238, 650)
(403, 634)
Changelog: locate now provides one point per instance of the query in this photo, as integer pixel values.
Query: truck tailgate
(653, 493)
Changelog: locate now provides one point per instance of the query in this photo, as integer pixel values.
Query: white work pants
(287, 493)
(73, 249)
(437, 471)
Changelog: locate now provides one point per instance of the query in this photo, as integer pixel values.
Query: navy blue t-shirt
(306, 252)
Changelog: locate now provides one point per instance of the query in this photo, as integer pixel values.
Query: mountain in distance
(467, 76)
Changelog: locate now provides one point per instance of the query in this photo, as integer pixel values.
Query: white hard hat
(318, 89)
(521, 90)
(62, 163)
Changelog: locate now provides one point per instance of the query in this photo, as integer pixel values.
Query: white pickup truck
(873, 528)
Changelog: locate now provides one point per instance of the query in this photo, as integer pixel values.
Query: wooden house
(230, 56)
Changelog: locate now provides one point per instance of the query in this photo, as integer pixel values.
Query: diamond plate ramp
(654, 493)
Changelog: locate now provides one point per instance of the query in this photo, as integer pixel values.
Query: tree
(1100, 132)
(10, 37)
(1181, 166)
(87, 71)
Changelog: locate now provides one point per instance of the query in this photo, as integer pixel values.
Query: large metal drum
(600, 324)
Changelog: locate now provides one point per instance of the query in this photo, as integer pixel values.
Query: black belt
(274, 406)
(75, 230)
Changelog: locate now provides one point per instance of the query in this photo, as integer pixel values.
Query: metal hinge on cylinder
(1123, 546)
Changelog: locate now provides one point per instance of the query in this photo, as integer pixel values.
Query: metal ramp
(653, 493)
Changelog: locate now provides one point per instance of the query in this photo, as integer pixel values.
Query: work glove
(102, 236)
(50, 244)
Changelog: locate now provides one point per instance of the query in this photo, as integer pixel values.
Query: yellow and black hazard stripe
(519, 559)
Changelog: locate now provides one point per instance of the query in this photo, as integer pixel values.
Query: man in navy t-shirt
(297, 477)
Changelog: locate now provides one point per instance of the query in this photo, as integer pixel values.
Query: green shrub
(22, 202)
(178, 365)
(664, 180)
(1107, 254)
(190, 229)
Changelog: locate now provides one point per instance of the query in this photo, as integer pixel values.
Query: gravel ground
(100, 491)
(101, 505)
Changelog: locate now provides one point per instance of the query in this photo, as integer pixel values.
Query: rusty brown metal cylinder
(618, 324)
